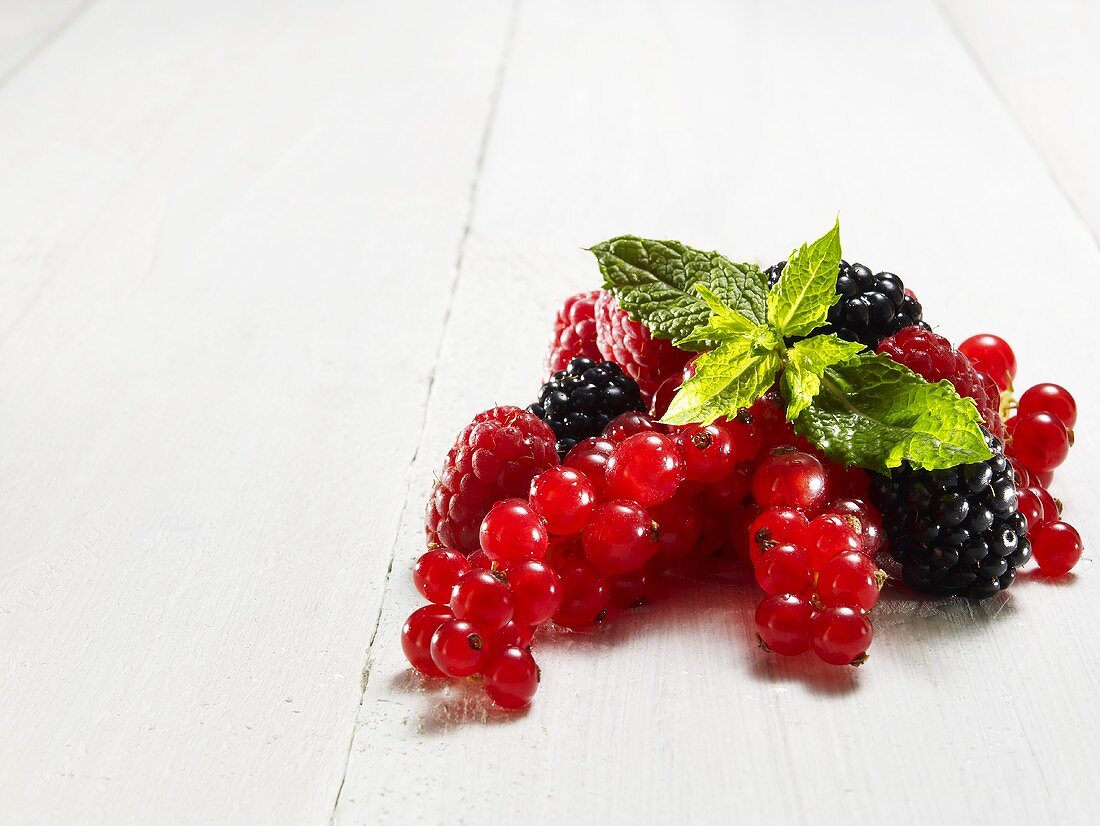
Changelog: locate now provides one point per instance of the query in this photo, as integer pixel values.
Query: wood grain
(229, 239)
(688, 120)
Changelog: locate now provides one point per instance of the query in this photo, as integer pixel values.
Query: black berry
(872, 306)
(955, 531)
(581, 400)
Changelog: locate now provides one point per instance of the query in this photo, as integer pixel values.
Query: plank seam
(42, 45)
(471, 209)
(998, 95)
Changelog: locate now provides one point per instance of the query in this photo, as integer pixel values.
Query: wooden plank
(745, 127)
(229, 235)
(1043, 62)
(29, 26)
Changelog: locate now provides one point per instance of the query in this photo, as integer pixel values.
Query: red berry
(482, 599)
(1023, 475)
(513, 633)
(629, 424)
(992, 355)
(778, 526)
(646, 468)
(494, 457)
(620, 537)
(1031, 506)
(841, 636)
(783, 624)
(784, 569)
(769, 414)
(1057, 547)
(736, 534)
(479, 561)
(828, 536)
(627, 590)
(745, 435)
(574, 332)
(729, 494)
(849, 579)
(680, 523)
(565, 498)
(513, 530)
(458, 648)
(707, 451)
(536, 591)
(511, 677)
(436, 573)
(1040, 441)
(416, 637)
(789, 478)
(1045, 478)
(1049, 398)
(847, 482)
(864, 518)
(590, 457)
(584, 596)
(1052, 508)
(666, 392)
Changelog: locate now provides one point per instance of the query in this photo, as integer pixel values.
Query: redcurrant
(784, 569)
(841, 636)
(565, 498)
(1057, 547)
(536, 591)
(620, 537)
(584, 596)
(864, 518)
(458, 648)
(646, 468)
(783, 624)
(830, 535)
(482, 599)
(992, 355)
(789, 478)
(849, 579)
(1049, 398)
(590, 457)
(778, 526)
(627, 590)
(436, 573)
(416, 637)
(708, 452)
(513, 530)
(628, 424)
(680, 523)
(511, 677)
(1040, 441)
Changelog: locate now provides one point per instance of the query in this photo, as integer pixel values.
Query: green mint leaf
(876, 413)
(654, 282)
(799, 303)
(726, 380)
(806, 363)
(724, 324)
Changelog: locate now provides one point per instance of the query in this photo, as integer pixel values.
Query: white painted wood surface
(260, 261)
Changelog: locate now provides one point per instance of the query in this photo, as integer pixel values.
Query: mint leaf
(724, 324)
(800, 302)
(876, 413)
(806, 363)
(654, 282)
(726, 380)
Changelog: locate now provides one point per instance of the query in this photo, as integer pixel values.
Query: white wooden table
(260, 260)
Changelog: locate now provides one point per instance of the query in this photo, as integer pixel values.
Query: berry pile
(586, 504)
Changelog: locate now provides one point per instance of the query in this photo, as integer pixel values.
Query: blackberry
(579, 401)
(955, 531)
(872, 306)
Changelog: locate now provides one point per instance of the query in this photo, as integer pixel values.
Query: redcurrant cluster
(814, 560)
(1039, 433)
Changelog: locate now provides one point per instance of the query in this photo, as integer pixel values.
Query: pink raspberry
(574, 331)
(647, 360)
(495, 457)
(932, 357)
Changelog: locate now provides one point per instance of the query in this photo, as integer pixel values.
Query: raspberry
(574, 332)
(580, 402)
(933, 358)
(647, 360)
(872, 306)
(955, 531)
(495, 457)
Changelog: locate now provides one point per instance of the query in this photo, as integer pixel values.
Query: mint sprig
(858, 407)
(655, 283)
